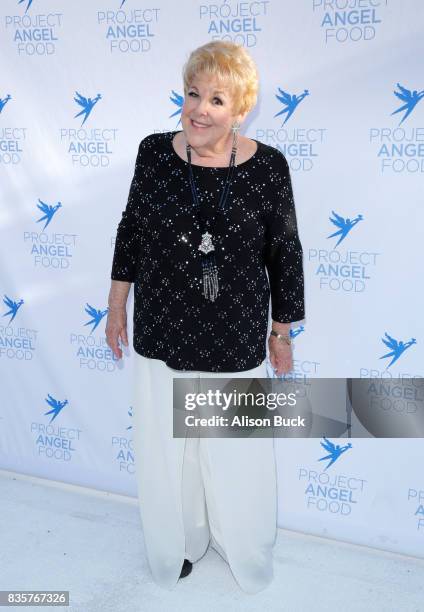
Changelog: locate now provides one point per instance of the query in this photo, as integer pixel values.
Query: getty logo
(12, 306)
(96, 316)
(48, 210)
(56, 406)
(178, 100)
(87, 105)
(344, 225)
(334, 451)
(29, 2)
(4, 101)
(398, 347)
(290, 102)
(410, 99)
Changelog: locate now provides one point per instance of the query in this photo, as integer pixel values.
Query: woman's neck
(215, 152)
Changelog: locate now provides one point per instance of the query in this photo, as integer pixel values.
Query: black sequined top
(157, 249)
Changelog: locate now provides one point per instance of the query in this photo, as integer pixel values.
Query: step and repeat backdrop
(341, 95)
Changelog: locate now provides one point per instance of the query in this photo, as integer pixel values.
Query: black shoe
(187, 567)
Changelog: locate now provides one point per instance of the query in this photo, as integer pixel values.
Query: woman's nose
(202, 106)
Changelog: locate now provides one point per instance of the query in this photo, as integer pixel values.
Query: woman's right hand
(116, 328)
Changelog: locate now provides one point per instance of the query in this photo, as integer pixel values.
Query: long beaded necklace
(206, 246)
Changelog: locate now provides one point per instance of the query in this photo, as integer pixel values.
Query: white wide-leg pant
(199, 491)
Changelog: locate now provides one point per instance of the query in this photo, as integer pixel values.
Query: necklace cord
(225, 191)
(208, 261)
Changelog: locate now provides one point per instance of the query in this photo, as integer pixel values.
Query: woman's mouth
(200, 126)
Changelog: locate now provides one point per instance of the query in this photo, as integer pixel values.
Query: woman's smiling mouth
(198, 125)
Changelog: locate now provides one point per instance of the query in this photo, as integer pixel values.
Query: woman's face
(206, 115)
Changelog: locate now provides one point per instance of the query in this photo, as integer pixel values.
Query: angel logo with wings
(4, 101)
(87, 105)
(290, 102)
(97, 316)
(56, 406)
(48, 211)
(344, 225)
(335, 450)
(28, 5)
(411, 99)
(397, 347)
(178, 100)
(13, 307)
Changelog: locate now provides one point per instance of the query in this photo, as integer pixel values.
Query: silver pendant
(206, 245)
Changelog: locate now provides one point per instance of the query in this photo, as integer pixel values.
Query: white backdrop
(333, 74)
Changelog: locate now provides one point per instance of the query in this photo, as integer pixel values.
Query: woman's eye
(193, 94)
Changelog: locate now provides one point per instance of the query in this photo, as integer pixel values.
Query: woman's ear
(241, 117)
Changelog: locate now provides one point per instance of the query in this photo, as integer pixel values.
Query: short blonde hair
(231, 65)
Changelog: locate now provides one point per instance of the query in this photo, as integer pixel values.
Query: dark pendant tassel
(210, 277)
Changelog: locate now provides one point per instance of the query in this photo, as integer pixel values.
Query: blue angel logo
(48, 211)
(296, 331)
(290, 102)
(96, 316)
(178, 100)
(4, 101)
(28, 5)
(334, 451)
(410, 98)
(344, 225)
(130, 413)
(13, 307)
(87, 105)
(56, 406)
(397, 347)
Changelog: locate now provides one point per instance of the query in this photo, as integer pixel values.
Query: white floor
(91, 544)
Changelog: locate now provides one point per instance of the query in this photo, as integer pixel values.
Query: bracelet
(282, 337)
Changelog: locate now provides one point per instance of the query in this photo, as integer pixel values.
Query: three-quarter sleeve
(129, 232)
(283, 254)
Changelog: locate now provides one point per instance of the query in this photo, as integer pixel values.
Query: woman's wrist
(117, 308)
(118, 295)
(281, 328)
(281, 332)
(283, 338)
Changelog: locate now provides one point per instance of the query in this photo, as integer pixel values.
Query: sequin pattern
(156, 248)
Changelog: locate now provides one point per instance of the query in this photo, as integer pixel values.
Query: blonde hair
(231, 65)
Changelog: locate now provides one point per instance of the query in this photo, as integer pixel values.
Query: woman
(210, 214)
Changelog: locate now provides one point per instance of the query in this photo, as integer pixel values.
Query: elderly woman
(208, 235)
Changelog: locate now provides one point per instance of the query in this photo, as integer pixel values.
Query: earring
(235, 128)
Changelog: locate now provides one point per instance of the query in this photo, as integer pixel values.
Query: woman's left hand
(280, 355)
